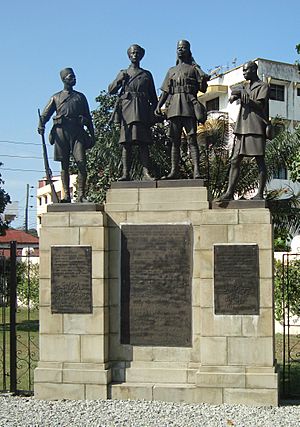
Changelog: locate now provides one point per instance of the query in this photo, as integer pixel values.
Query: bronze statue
(250, 129)
(183, 110)
(68, 134)
(135, 110)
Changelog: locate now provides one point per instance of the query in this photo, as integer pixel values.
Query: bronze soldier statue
(183, 110)
(68, 134)
(250, 129)
(135, 110)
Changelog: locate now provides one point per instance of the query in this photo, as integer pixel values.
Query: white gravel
(21, 411)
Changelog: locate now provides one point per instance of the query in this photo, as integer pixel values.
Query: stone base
(76, 381)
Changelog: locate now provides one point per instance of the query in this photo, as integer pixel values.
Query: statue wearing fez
(250, 130)
(183, 110)
(68, 134)
(134, 110)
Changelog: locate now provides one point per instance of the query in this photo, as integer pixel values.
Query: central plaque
(236, 279)
(156, 285)
(71, 279)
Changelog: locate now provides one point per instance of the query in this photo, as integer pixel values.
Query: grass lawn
(27, 347)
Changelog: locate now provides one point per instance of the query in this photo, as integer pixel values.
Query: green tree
(28, 283)
(289, 284)
(4, 200)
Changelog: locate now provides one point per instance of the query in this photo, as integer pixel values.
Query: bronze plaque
(156, 307)
(236, 279)
(71, 279)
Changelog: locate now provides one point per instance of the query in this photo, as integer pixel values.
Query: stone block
(100, 292)
(262, 380)
(219, 325)
(210, 216)
(123, 196)
(50, 323)
(251, 351)
(93, 236)
(51, 391)
(94, 348)
(87, 219)
(197, 317)
(58, 236)
(121, 207)
(118, 372)
(175, 393)
(114, 239)
(254, 216)
(173, 195)
(171, 354)
(257, 326)
(45, 265)
(206, 293)
(86, 376)
(210, 235)
(195, 351)
(114, 292)
(60, 348)
(115, 218)
(114, 269)
(156, 217)
(130, 391)
(118, 351)
(98, 265)
(266, 293)
(202, 264)
(171, 206)
(148, 375)
(58, 219)
(95, 391)
(114, 319)
(209, 379)
(251, 233)
(196, 292)
(266, 264)
(213, 351)
(254, 397)
(42, 375)
(95, 323)
(142, 353)
(44, 292)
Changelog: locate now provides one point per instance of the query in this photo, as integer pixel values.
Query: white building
(44, 196)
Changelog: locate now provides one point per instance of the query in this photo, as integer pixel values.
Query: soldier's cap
(65, 72)
(184, 42)
(141, 50)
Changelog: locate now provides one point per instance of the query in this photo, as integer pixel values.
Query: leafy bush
(28, 283)
(290, 284)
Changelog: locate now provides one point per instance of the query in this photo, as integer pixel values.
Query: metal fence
(19, 319)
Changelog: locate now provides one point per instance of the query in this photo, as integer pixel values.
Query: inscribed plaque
(71, 279)
(156, 285)
(236, 279)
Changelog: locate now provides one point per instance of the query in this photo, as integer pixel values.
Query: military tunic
(138, 101)
(67, 134)
(250, 128)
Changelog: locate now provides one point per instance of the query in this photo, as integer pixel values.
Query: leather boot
(194, 150)
(144, 158)
(126, 162)
(81, 181)
(65, 179)
(175, 155)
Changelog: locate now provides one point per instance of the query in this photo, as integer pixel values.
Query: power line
(24, 157)
(19, 142)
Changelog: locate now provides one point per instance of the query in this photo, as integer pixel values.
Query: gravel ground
(21, 411)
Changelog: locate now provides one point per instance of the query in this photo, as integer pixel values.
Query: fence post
(13, 309)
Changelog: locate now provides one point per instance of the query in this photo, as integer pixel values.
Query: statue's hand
(41, 130)
(158, 112)
(123, 78)
(245, 97)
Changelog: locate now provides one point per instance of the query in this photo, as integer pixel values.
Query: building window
(40, 200)
(213, 104)
(298, 91)
(277, 92)
(281, 173)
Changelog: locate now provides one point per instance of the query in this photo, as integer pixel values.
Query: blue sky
(39, 38)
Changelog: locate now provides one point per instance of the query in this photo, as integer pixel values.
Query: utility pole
(26, 209)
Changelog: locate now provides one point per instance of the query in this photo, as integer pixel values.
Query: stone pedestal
(74, 346)
(229, 358)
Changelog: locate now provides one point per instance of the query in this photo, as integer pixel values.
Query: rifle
(47, 167)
